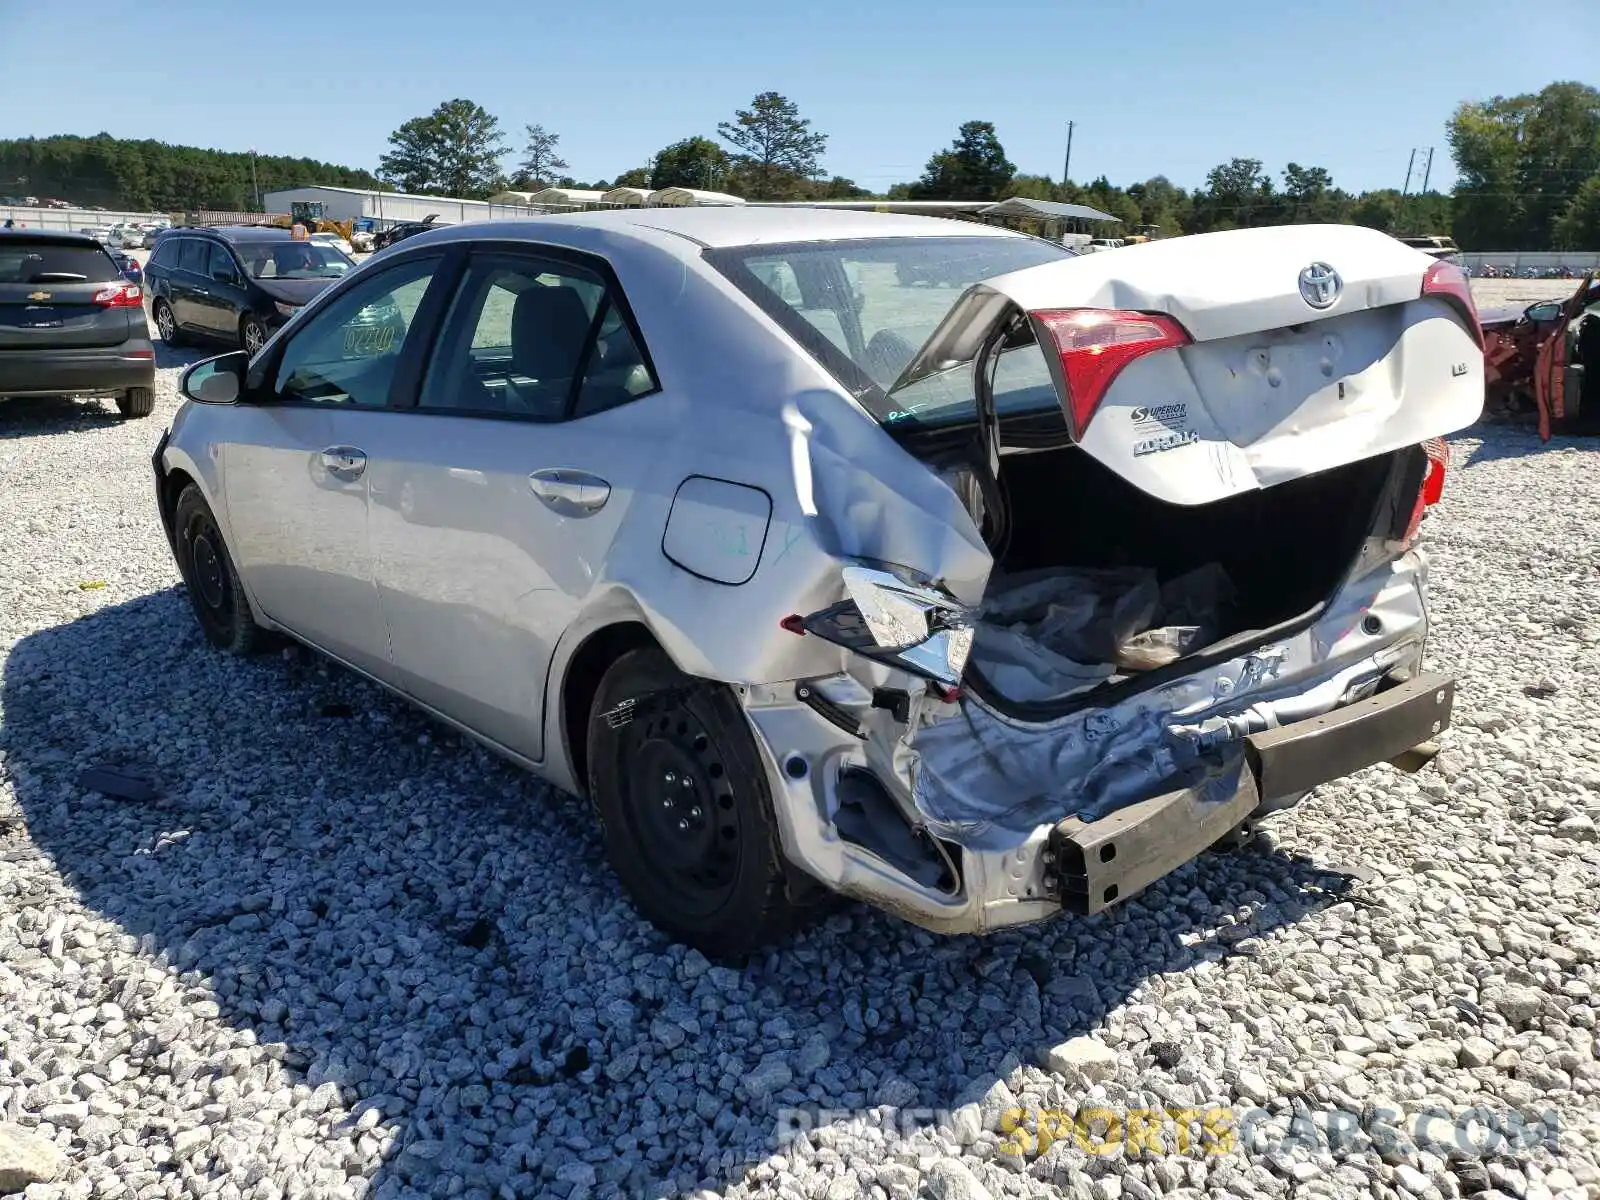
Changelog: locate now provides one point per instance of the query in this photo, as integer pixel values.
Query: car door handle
(568, 492)
(344, 461)
(201, 292)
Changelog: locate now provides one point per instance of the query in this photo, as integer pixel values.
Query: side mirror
(217, 380)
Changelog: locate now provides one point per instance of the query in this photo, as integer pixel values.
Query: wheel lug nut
(687, 782)
(694, 812)
(671, 778)
(667, 803)
(683, 827)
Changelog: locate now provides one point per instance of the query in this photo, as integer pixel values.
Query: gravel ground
(344, 954)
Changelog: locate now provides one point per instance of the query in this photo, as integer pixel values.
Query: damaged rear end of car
(1194, 473)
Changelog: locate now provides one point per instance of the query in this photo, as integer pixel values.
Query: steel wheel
(215, 593)
(677, 799)
(686, 810)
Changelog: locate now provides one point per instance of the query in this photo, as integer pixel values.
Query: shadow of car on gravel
(438, 934)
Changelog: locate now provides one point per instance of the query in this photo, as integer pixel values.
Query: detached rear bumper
(91, 371)
(1000, 876)
(1090, 866)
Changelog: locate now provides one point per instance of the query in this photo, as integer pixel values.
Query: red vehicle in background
(1547, 356)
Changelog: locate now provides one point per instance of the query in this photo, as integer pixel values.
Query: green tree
(1309, 196)
(1162, 204)
(975, 167)
(1029, 187)
(541, 164)
(1378, 210)
(146, 175)
(695, 162)
(1519, 162)
(455, 151)
(1578, 228)
(836, 188)
(1113, 201)
(1237, 195)
(639, 177)
(775, 147)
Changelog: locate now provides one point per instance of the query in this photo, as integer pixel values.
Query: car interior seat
(549, 328)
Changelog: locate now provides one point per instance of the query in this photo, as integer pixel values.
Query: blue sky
(1164, 86)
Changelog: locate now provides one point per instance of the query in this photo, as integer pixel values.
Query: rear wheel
(137, 402)
(167, 324)
(685, 810)
(215, 592)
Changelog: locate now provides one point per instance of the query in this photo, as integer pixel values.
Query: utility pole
(1066, 167)
(1427, 171)
(1410, 163)
(255, 184)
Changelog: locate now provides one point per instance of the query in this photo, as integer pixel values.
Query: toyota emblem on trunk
(1320, 285)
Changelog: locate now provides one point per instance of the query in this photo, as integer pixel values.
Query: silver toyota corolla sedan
(908, 559)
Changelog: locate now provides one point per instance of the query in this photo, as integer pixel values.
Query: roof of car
(716, 226)
(62, 236)
(239, 233)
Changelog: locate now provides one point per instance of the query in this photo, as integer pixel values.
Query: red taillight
(1450, 282)
(1095, 344)
(120, 295)
(1438, 452)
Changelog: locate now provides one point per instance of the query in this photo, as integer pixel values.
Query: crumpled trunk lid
(1308, 347)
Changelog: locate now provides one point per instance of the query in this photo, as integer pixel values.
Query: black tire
(215, 592)
(137, 402)
(252, 335)
(166, 323)
(685, 811)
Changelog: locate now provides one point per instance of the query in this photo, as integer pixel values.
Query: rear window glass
(863, 308)
(192, 254)
(46, 262)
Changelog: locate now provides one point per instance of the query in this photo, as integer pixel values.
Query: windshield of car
(863, 308)
(292, 260)
(53, 262)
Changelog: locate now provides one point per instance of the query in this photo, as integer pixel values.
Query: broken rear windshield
(864, 307)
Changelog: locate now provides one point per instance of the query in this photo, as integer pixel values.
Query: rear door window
(35, 262)
(192, 254)
(527, 337)
(221, 266)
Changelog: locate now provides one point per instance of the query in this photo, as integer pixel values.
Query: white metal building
(626, 197)
(387, 208)
(679, 197)
(511, 198)
(559, 197)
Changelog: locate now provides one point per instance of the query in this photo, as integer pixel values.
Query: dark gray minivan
(235, 283)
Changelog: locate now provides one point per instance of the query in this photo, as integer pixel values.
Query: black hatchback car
(70, 324)
(235, 283)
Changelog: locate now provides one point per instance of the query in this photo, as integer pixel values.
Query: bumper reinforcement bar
(1094, 864)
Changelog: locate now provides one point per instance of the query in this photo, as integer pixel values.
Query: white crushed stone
(261, 985)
